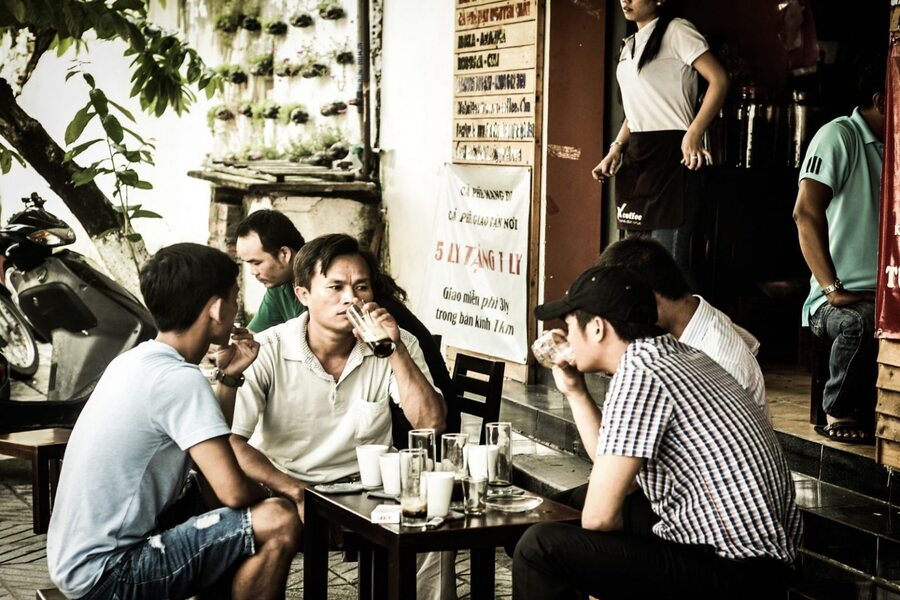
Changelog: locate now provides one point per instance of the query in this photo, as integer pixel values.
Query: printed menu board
(494, 82)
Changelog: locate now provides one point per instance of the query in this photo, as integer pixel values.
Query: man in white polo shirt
(316, 392)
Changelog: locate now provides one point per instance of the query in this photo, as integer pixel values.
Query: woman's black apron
(650, 183)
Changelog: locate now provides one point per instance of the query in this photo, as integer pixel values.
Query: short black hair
(870, 70)
(626, 330)
(274, 229)
(323, 250)
(180, 279)
(652, 262)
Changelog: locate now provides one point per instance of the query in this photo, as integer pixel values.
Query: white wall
(416, 127)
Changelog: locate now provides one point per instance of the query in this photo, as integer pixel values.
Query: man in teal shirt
(836, 213)
(268, 241)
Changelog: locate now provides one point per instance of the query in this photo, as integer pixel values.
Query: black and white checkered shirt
(714, 472)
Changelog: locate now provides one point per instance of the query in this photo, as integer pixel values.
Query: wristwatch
(229, 380)
(835, 286)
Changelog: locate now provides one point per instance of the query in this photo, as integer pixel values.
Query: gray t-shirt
(127, 460)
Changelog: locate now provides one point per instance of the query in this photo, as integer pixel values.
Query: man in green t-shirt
(268, 241)
(837, 212)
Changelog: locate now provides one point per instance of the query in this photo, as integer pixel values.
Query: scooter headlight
(52, 237)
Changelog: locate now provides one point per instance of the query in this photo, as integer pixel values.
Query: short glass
(474, 492)
(551, 346)
(453, 455)
(499, 435)
(413, 500)
(371, 332)
(424, 439)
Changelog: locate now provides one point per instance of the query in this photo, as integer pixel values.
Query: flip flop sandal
(833, 431)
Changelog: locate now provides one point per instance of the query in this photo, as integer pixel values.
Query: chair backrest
(479, 396)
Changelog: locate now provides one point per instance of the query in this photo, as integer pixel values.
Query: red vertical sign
(887, 303)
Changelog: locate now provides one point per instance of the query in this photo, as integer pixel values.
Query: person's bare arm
(610, 163)
(259, 468)
(216, 461)
(233, 360)
(813, 199)
(612, 478)
(692, 143)
(588, 417)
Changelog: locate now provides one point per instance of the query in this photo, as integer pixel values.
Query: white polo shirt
(712, 332)
(662, 96)
(304, 421)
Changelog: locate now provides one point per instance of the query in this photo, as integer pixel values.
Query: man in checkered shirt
(690, 495)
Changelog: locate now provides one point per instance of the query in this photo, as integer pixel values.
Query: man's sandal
(838, 432)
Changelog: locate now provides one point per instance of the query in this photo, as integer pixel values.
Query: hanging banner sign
(495, 77)
(476, 275)
(887, 301)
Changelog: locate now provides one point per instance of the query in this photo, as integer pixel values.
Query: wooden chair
(479, 385)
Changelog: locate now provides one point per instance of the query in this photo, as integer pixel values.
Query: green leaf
(79, 122)
(112, 127)
(98, 99)
(128, 5)
(84, 176)
(5, 161)
(122, 110)
(80, 148)
(127, 177)
(90, 80)
(17, 9)
(144, 185)
(146, 214)
(135, 136)
(134, 237)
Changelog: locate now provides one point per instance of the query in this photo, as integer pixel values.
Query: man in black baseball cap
(676, 505)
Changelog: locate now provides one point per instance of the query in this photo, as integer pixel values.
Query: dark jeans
(852, 368)
(557, 560)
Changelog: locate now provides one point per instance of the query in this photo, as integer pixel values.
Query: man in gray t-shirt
(151, 416)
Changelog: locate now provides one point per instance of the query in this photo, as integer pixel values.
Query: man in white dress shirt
(690, 318)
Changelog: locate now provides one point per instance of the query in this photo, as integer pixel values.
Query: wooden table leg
(315, 554)
(364, 580)
(402, 575)
(40, 491)
(379, 573)
(482, 565)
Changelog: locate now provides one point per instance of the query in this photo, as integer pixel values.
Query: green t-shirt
(847, 157)
(278, 305)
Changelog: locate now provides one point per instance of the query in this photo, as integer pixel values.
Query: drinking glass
(424, 439)
(550, 346)
(474, 492)
(371, 332)
(499, 435)
(453, 456)
(413, 500)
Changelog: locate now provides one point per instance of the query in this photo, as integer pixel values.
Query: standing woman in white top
(659, 147)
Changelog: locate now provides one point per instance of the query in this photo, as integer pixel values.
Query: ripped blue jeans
(199, 554)
(852, 369)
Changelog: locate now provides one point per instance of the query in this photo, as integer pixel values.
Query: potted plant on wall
(218, 113)
(250, 22)
(312, 66)
(286, 68)
(344, 57)
(333, 108)
(266, 109)
(275, 26)
(262, 64)
(246, 109)
(331, 10)
(233, 73)
(293, 113)
(301, 19)
(228, 21)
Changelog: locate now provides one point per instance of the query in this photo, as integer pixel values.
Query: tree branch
(31, 140)
(42, 41)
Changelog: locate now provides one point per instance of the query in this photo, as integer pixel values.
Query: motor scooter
(17, 343)
(89, 318)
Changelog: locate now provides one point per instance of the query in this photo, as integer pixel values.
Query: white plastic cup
(438, 489)
(369, 469)
(482, 460)
(390, 472)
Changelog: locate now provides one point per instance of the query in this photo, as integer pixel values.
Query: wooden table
(44, 448)
(395, 556)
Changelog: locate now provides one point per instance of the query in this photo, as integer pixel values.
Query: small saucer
(513, 504)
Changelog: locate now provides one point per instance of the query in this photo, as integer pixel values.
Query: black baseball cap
(612, 292)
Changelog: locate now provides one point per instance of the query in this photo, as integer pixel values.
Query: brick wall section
(226, 211)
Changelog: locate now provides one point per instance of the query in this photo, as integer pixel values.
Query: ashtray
(513, 504)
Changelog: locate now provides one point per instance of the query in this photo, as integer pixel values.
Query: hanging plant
(258, 152)
(312, 66)
(293, 113)
(337, 150)
(246, 109)
(331, 10)
(302, 20)
(218, 113)
(286, 68)
(275, 27)
(266, 109)
(251, 23)
(228, 22)
(333, 108)
(261, 64)
(344, 57)
(233, 73)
